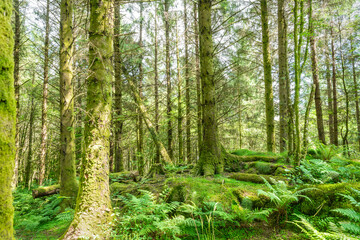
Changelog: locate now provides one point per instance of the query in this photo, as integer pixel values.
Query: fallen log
(46, 191)
(255, 178)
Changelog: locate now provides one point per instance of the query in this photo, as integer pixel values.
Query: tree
(68, 182)
(93, 208)
(269, 99)
(334, 88)
(187, 86)
(7, 120)
(314, 68)
(44, 126)
(180, 116)
(210, 160)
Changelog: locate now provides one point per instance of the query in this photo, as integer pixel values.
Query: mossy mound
(255, 178)
(326, 197)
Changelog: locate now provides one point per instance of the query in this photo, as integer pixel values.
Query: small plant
(282, 197)
(316, 171)
(326, 152)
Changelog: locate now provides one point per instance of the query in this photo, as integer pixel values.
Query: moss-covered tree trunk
(269, 98)
(44, 126)
(334, 93)
(180, 114)
(7, 120)
(93, 207)
(306, 120)
(282, 51)
(197, 77)
(118, 121)
(168, 78)
(156, 85)
(210, 160)
(68, 182)
(187, 86)
(329, 92)
(315, 74)
(17, 39)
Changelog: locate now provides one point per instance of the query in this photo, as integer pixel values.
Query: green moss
(254, 178)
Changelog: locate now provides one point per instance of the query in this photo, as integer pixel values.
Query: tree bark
(315, 74)
(180, 116)
(93, 214)
(7, 121)
(306, 121)
(156, 86)
(44, 126)
(210, 160)
(355, 92)
(335, 115)
(68, 182)
(329, 93)
(269, 98)
(118, 121)
(187, 87)
(282, 52)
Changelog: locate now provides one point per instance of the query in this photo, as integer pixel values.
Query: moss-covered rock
(251, 200)
(255, 178)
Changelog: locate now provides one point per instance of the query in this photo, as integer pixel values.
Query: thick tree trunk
(7, 121)
(68, 182)
(17, 36)
(329, 93)
(335, 115)
(180, 115)
(355, 93)
(156, 86)
(210, 160)
(168, 78)
(44, 126)
(269, 98)
(118, 121)
(93, 207)
(282, 51)
(187, 86)
(315, 74)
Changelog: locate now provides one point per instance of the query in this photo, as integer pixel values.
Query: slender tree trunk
(28, 164)
(119, 165)
(329, 93)
(17, 37)
(180, 116)
(210, 160)
(68, 182)
(44, 127)
(197, 76)
(7, 121)
(93, 207)
(356, 92)
(336, 131)
(140, 134)
(168, 80)
(269, 99)
(187, 86)
(282, 51)
(306, 121)
(315, 74)
(156, 86)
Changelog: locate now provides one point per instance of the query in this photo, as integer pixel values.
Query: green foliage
(33, 216)
(263, 168)
(324, 152)
(282, 197)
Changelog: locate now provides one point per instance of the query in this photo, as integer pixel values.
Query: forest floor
(40, 218)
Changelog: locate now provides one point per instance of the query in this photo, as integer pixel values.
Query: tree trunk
(180, 117)
(17, 37)
(329, 93)
(336, 131)
(44, 127)
(168, 80)
(68, 182)
(197, 76)
(187, 87)
(7, 121)
(306, 121)
(282, 51)
(269, 101)
(140, 130)
(210, 161)
(93, 214)
(118, 121)
(356, 92)
(156, 86)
